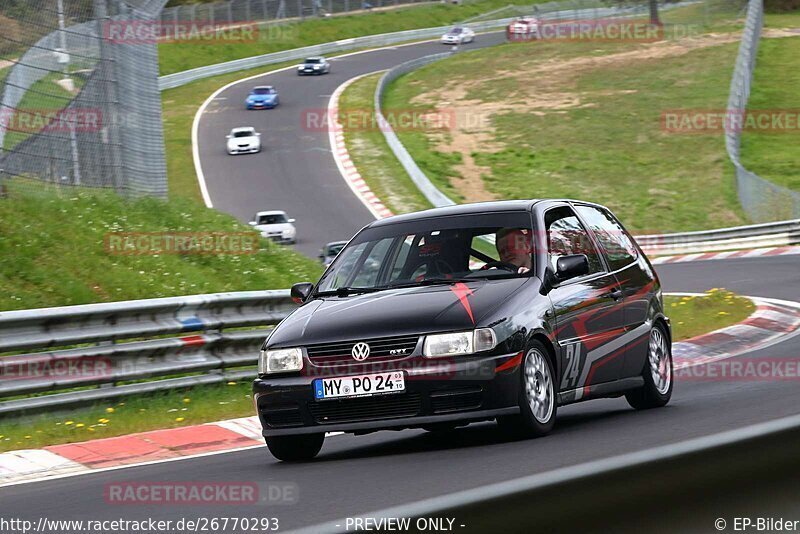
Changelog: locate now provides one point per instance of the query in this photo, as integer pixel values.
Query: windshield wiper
(345, 291)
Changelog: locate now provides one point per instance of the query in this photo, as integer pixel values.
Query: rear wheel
(537, 400)
(295, 448)
(657, 373)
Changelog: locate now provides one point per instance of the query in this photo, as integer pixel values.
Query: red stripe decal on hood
(462, 290)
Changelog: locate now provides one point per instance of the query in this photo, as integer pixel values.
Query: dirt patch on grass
(540, 87)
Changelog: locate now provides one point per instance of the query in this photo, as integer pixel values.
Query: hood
(261, 98)
(407, 311)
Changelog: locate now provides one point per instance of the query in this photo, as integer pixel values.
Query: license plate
(359, 386)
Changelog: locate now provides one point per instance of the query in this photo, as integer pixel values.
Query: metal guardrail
(746, 473)
(178, 79)
(761, 199)
(136, 340)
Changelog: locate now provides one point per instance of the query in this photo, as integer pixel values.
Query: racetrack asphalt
(295, 170)
(356, 474)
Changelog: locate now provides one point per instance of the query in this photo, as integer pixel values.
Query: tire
(536, 396)
(657, 373)
(295, 448)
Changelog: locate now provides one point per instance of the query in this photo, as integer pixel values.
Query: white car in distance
(275, 225)
(458, 35)
(244, 140)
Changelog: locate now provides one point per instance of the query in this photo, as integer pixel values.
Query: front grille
(379, 350)
(283, 416)
(366, 409)
(456, 400)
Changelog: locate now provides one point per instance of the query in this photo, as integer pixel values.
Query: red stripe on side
(511, 363)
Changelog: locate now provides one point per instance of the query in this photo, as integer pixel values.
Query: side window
(618, 245)
(566, 235)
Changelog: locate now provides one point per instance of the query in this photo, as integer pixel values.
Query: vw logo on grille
(360, 351)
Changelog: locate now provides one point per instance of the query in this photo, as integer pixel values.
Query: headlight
(457, 343)
(280, 361)
(316, 66)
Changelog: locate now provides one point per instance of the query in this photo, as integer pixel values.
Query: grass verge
(179, 56)
(690, 316)
(53, 251)
(582, 120)
(717, 308)
(775, 154)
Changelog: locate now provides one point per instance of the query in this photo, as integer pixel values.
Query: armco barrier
(141, 339)
(170, 81)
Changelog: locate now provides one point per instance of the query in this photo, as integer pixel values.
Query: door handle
(615, 294)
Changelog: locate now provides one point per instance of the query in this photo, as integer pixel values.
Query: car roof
(271, 212)
(243, 129)
(476, 208)
(315, 57)
(263, 87)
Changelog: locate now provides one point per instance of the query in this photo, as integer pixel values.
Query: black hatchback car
(499, 310)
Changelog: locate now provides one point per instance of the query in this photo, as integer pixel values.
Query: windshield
(271, 219)
(433, 250)
(313, 60)
(263, 91)
(455, 31)
(243, 134)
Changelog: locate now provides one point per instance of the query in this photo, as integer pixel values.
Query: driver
(514, 247)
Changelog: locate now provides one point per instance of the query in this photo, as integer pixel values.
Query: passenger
(514, 247)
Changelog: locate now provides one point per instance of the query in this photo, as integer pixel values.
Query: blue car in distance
(262, 97)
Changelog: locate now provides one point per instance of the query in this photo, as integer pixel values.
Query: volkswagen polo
(489, 311)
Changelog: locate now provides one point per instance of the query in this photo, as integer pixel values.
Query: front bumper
(243, 151)
(463, 392)
(261, 105)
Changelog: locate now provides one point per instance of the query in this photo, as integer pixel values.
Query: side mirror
(301, 291)
(291, 220)
(571, 266)
(252, 223)
(228, 136)
(258, 134)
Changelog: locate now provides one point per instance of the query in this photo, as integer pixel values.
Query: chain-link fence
(761, 199)
(235, 11)
(77, 105)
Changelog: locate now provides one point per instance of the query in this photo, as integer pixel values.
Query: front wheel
(295, 448)
(657, 373)
(537, 399)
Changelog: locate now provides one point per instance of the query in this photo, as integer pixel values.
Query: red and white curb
(773, 321)
(748, 253)
(342, 157)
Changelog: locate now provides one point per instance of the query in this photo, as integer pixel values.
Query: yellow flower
(680, 322)
(674, 304)
(686, 298)
(102, 420)
(27, 437)
(68, 423)
(121, 404)
(110, 410)
(187, 400)
(79, 425)
(179, 419)
(231, 383)
(90, 429)
(723, 313)
(682, 303)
